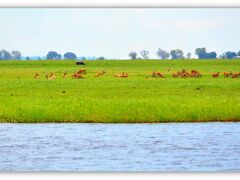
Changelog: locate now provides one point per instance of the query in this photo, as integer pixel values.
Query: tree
(27, 58)
(16, 55)
(5, 55)
(53, 55)
(229, 55)
(163, 54)
(70, 55)
(212, 55)
(177, 54)
(189, 55)
(201, 53)
(133, 55)
(144, 54)
(238, 53)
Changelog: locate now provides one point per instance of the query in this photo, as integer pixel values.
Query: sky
(114, 32)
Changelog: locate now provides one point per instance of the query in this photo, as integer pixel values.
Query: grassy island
(139, 98)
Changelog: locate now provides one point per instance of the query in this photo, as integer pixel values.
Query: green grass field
(109, 99)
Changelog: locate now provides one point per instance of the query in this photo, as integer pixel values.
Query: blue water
(120, 147)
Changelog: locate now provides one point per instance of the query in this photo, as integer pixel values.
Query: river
(120, 147)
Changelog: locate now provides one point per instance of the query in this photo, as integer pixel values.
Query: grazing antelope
(215, 75)
(236, 75)
(64, 75)
(185, 75)
(36, 76)
(197, 75)
(157, 74)
(193, 71)
(182, 74)
(78, 76)
(82, 71)
(123, 75)
(100, 74)
(160, 75)
(226, 74)
(51, 76)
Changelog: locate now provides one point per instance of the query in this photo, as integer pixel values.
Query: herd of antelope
(80, 75)
(227, 75)
(155, 74)
(185, 74)
(194, 73)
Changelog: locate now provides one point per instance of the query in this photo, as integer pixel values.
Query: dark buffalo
(80, 63)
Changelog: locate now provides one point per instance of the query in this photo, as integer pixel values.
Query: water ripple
(120, 147)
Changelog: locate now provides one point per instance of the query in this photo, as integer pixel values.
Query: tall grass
(112, 100)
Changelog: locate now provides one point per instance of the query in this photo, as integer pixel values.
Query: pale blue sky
(113, 33)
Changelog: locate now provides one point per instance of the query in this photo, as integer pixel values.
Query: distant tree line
(201, 53)
(53, 55)
(5, 55)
